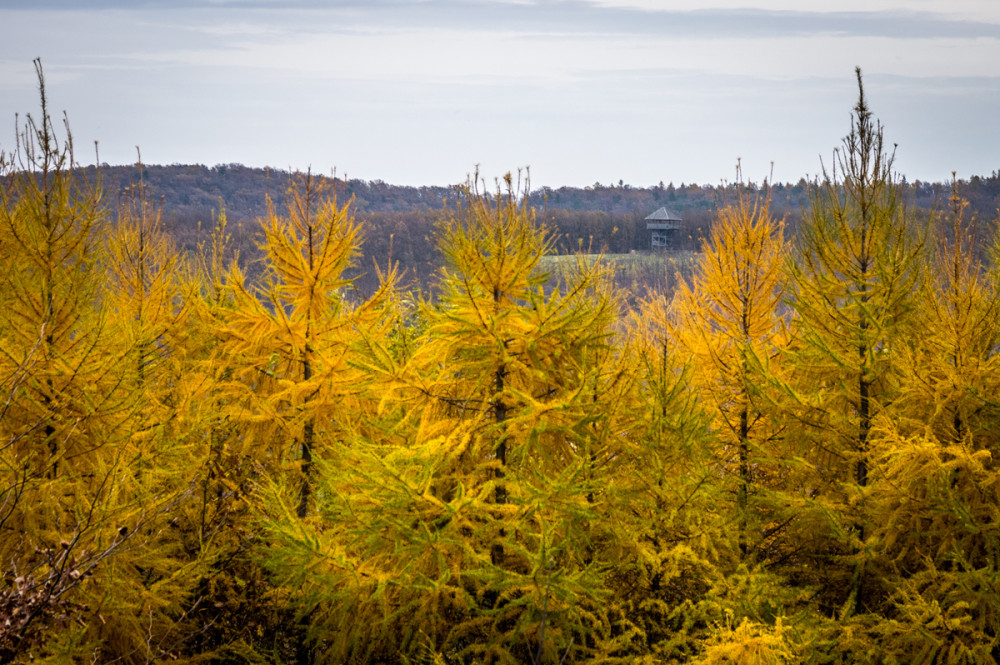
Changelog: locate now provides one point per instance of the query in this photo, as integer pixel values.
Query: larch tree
(854, 292)
(278, 370)
(673, 514)
(235, 611)
(731, 319)
(938, 506)
(293, 386)
(142, 290)
(141, 298)
(224, 471)
(730, 324)
(465, 528)
(950, 376)
(75, 514)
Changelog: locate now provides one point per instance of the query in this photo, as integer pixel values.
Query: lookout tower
(662, 226)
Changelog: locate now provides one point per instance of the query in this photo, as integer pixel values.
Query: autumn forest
(292, 452)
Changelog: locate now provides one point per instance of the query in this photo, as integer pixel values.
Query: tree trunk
(308, 436)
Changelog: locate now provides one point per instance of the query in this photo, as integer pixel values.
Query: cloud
(574, 17)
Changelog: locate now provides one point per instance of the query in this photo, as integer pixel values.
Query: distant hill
(399, 220)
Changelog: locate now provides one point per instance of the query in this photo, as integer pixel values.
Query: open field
(636, 271)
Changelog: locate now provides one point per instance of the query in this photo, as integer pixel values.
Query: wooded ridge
(599, 218)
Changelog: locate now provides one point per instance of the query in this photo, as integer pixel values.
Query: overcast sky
(582, 91)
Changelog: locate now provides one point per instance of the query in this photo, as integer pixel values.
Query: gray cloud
(575, 17)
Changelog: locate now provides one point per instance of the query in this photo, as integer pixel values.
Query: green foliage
(855, 281)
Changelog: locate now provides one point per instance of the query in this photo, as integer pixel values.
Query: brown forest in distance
(600, 218)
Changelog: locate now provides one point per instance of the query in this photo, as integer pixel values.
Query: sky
(422, 92)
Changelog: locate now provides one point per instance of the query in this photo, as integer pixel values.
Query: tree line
(399, 221)
(789, 459)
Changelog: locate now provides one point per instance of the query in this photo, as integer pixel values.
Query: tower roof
(663, 215)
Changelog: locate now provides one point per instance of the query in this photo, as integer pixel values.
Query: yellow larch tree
(76, 516)
(141, 298)
(142, 291)
(671, 510)
(279, 376)
(938, 507)
(729, 323)
(293, 388)
(219, 524)
(951, 374)
(731, 319)
(854, 289)
(467, 526)
(513, 361)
